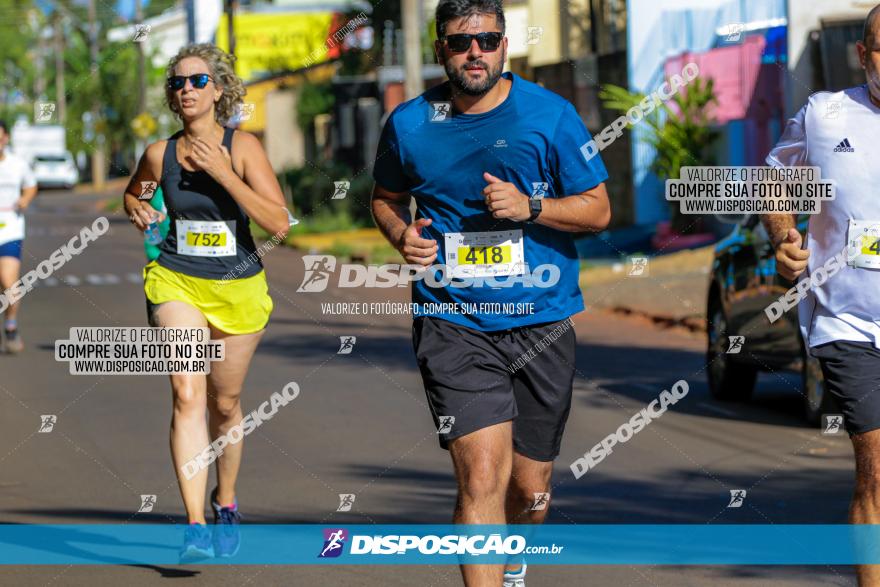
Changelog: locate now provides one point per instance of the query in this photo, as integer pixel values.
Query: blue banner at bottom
(573, 544)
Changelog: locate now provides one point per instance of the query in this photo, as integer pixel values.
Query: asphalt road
(361, 425)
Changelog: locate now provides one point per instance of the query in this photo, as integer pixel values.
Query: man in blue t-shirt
(498, 169)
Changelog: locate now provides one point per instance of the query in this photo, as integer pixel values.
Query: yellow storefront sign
(275, 42)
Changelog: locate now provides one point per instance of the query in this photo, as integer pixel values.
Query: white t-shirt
(838, 132)
(15, 175)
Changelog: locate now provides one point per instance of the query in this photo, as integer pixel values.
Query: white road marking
(826, 439)
(91, 279)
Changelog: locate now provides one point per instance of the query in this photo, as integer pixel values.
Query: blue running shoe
(196, 544)
(515, 578)
(227, 538)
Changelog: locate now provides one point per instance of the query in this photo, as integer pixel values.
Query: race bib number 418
(484, 254)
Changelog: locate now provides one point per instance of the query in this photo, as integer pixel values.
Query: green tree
(19, 24)
(314, 99)
(681, 133)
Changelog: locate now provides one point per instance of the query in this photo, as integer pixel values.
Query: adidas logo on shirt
(844, 147)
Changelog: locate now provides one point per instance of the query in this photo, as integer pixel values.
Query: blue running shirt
(533, 139)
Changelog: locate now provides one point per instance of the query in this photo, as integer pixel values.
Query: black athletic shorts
(852, 376)
(484, 378)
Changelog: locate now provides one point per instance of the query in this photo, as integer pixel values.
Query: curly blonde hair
(220, 65)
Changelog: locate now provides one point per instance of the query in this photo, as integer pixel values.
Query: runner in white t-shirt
(17, 189)
(840, 319)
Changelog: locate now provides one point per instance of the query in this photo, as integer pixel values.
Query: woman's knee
(226, 407)
(189, 398)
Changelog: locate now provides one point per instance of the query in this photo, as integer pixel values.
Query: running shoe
(196, 544)
(227, 538)
(13, 342)
(515, 578)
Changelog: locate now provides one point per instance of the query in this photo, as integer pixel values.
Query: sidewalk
(672, 290)
(112, 188)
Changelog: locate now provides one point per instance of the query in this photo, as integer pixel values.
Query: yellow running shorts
(235, 306)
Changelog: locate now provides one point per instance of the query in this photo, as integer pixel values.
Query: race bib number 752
(206, 238)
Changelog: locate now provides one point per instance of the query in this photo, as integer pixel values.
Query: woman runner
(215, 180)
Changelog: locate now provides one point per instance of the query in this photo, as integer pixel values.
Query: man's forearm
(392, 219)
(777, 226)
(578, 213)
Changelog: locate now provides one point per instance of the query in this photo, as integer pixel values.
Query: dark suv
(743, 283)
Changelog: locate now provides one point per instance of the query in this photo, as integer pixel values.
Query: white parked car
(55, 170)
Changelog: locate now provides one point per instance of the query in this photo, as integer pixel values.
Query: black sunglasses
(198, 80)
(462, 42)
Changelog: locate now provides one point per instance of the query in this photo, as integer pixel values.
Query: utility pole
(412, 54)
(190, 21)
(142, 83)
(98, 158)
(58, 38)
(40, 77)
(40, 56)
(230, 27)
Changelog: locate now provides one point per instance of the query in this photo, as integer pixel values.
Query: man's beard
(461, 81)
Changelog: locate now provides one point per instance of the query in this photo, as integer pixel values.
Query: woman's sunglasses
(198, 81)
(462, 42)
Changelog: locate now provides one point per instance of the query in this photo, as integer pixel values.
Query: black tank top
(195, 196)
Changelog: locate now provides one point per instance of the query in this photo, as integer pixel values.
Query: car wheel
(817, 400)
(728, 380)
